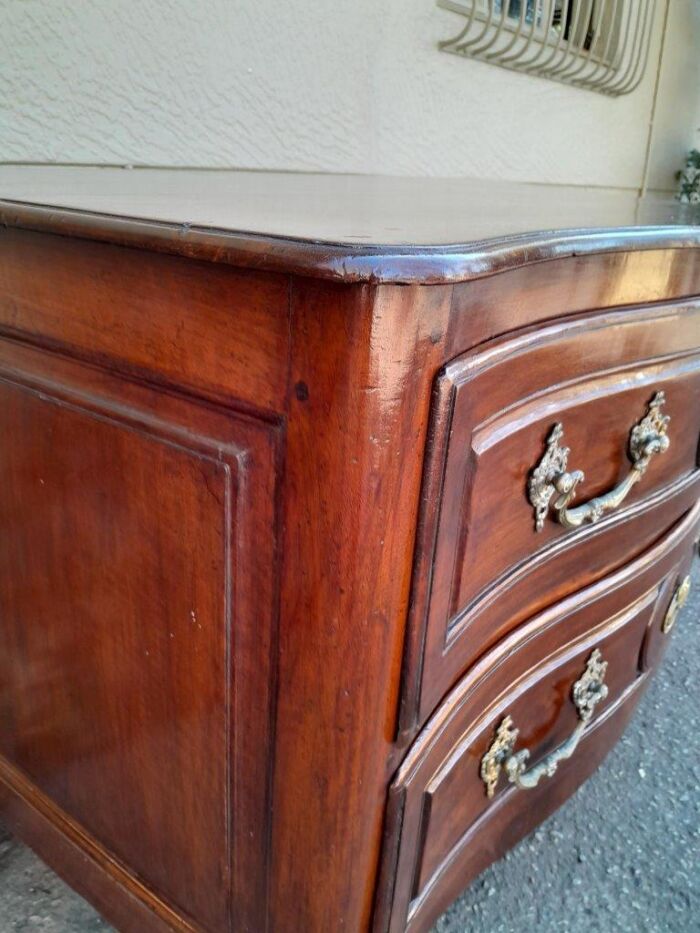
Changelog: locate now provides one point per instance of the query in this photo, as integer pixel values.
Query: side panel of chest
(137, 608)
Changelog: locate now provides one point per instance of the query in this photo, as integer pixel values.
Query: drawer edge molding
(542, 621)
(677, 490)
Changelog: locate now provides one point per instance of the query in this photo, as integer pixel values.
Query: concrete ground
(622, 856)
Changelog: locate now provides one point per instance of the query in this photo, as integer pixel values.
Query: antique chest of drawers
(343, 521)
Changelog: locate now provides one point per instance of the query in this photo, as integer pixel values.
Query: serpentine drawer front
(519, 733)
(606, 406)
(342, 521)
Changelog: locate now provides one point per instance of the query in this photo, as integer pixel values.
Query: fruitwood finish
(269, 576)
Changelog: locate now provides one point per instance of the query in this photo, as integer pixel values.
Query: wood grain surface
(268, 571)
(352, 228)
(482, 568)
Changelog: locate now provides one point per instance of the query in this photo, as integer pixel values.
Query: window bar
(496, 30)
(579, 58)
(572, 25)
(544, 65)
(635, 73)
(488, 22)
(539, 4)
(534, 62)
(517, 33)
(606, 64)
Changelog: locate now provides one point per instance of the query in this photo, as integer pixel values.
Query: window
(601, 45)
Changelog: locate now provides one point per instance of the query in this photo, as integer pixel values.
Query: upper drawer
(483, 566)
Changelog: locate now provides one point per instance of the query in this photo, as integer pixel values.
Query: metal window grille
(602, 45)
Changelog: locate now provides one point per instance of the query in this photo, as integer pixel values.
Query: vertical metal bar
(537, 6)
(448, 42)
(547, 21)
(517, 34)
(479, 50)
(614, 77)
(582, 58)
(606, 64)
(642, 56)
(463, 46)
(542, 66)
(571, 46)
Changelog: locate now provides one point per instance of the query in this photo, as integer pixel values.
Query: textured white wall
(302, 84)
(676, 126)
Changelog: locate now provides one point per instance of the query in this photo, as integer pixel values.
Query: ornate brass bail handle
(680, 598)
(586, 693)
(550, 476)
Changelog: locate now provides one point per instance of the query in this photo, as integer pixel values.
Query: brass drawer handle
(586, 693)
(680, 598)
(550, 476)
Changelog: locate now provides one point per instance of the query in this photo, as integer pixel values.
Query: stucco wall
(676, 118)
(314, 84)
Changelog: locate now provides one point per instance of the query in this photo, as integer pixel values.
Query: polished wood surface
(139, 575)
(348, 227)
(350, 209)
(153, 317)
(494, 408)
(349, 522)
(498, 304)
(267, 554)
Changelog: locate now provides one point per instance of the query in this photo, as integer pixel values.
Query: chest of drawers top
(349, 228)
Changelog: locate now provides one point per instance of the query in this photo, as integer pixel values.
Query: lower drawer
(523, 729)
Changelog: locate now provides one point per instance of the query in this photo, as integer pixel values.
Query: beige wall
(676, 124)
(322, 84)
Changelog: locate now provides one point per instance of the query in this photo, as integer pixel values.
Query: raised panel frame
(248, 451)
(663, 343)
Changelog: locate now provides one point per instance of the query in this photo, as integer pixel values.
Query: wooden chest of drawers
(333, 558)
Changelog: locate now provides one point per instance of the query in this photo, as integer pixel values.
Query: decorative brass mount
(586, 693)
(680, 598)
(550, 476)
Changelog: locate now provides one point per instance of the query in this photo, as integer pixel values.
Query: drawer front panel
(450, 811)
(481, 558)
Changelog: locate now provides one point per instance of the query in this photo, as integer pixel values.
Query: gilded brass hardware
(586, 693)
(680, 598)
(500, 749)
(550, 476)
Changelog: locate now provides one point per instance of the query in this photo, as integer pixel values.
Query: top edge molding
(346, 228)
(343, 262)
